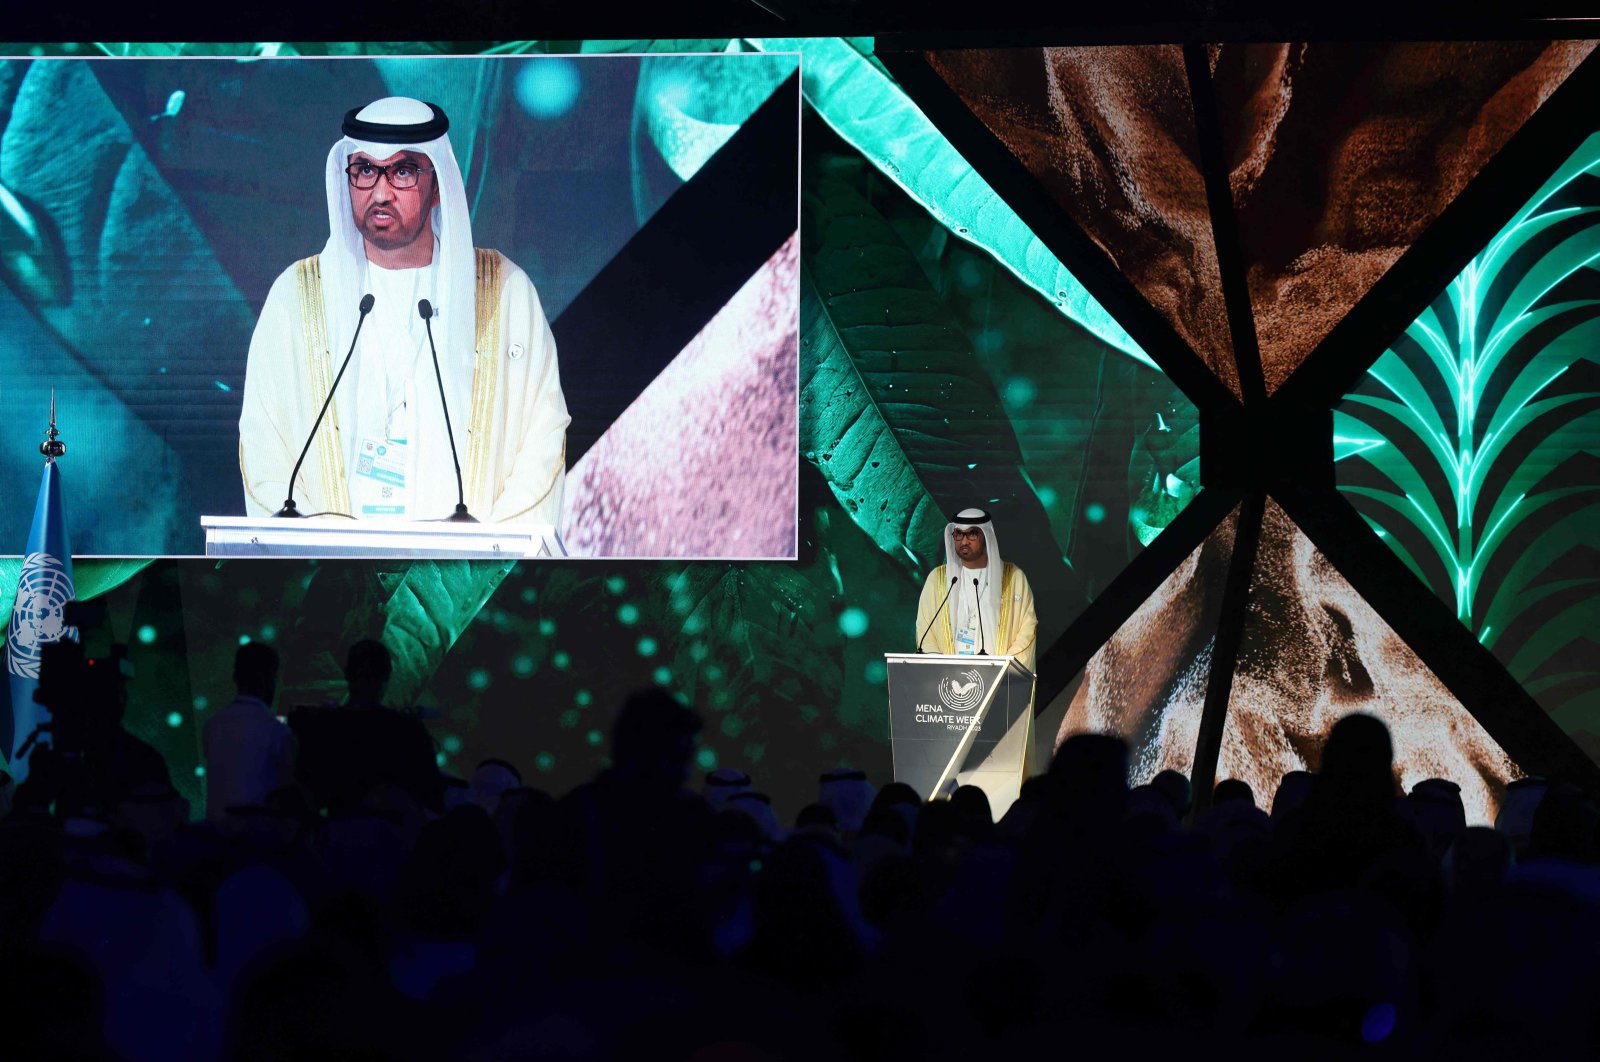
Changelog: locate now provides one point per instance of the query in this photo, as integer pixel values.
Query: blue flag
(38, 617)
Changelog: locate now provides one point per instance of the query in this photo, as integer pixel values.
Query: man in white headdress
(399, 231)
(974, 603)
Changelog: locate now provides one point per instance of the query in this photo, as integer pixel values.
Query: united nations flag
(38, 616)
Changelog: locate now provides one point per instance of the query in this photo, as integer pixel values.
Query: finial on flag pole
(52, 447)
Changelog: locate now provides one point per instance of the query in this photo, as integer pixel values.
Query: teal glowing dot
(569, 718)
(628, 615)
(594, 737)
(1094, 512)
(222, 386)
(522, 666)
(451, 743)
(699, 651)
(876, 672)
(561, 659)
(268, 633)
(147, 634)
(529, 595)
(713, 673)
(583, 698)
(244, 639)
(1047, 496)
(174, 719)
(200, 771)
(853, 622)
(755, 866)
(202, 703)
(544, 762)
(694, 624)
(547, 627)
(479, 678)
(662, 676)
(616, 584)
(547, 87)
(439, 758)
(732, 725)
(721, 698)
(1019, 392)
(706, 758)
(647, 647)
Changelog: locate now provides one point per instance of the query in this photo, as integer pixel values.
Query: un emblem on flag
(39, 616)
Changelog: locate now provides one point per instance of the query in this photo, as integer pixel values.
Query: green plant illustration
(1471, 446)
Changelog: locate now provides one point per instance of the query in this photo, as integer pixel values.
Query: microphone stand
(953, 580)
(289, 509)
(460, 516)
(977, 599)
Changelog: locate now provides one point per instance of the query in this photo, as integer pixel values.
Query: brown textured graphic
(1109, 132)
(1315, 651)
(1341, 155)
(1147, 684)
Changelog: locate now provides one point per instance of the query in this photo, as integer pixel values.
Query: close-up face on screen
(607, 247)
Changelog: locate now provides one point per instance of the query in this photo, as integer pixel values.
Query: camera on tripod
(86, 695)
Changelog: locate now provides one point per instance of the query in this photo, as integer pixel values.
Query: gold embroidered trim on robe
(319, 364)
(485, 370)
(1005, 607)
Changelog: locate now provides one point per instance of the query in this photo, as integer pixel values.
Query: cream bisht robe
(1017, 635)
(511, 439)
(1018, 624)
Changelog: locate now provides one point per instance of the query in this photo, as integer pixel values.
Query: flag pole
(52, 447)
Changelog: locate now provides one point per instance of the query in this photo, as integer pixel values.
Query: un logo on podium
(39, 616)
(962, 693)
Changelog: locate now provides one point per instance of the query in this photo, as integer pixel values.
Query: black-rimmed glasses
(401, 175)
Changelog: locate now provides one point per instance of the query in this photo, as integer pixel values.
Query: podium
(960, 720)
(339, 536)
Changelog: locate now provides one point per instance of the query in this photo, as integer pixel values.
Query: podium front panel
(950, 715)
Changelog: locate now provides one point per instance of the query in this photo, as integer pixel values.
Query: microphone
(460, 516)
(288, 503)
(953, 580)
(983, 645)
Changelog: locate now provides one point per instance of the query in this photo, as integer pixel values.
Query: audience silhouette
(340, 898)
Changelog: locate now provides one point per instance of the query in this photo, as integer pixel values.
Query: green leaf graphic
(863, 105)
(1470, 447)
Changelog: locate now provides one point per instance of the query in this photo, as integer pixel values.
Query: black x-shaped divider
(1281, 445)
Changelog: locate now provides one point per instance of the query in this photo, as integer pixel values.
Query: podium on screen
(342, 537)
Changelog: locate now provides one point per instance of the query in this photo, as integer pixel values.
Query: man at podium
(399, 271)
(974, 603)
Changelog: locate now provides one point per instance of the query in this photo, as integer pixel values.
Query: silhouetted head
(653, 738)
(1476, 860)
(1090, 769)
(1233, 789)
(367, 668)
(1291, 794)
(973, 804)
(817, 816)
(255, 671)
(1564, 825)
(847, 791)
(1175, 787)
(1358, 748)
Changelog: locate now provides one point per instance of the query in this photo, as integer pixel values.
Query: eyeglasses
(401, 175)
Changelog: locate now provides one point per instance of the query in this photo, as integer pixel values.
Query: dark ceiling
(989, 22)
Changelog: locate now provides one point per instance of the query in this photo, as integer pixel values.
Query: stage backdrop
(989, 282)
